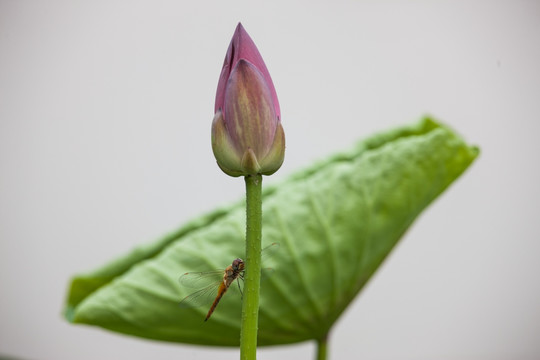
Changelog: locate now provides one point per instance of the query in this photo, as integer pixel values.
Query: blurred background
(105, 113)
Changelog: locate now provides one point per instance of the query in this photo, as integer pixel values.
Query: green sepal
(273, 160)
(225, 152)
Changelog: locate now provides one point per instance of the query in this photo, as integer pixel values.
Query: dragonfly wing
(202, 297)
(269, 251)
(198, 280)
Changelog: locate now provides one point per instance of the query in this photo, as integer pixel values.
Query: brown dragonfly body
(232, 272)
(214, 284)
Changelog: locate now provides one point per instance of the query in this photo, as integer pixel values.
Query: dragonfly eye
(238, 263)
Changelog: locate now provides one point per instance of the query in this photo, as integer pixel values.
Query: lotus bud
(247, 136)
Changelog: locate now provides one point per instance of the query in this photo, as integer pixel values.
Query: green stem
(321, 348)
(252, 281)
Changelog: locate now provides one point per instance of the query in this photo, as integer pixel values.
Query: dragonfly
(214, 284)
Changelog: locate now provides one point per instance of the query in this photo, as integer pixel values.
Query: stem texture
(252, 283)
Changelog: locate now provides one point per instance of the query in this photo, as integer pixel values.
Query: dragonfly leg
(239, 288)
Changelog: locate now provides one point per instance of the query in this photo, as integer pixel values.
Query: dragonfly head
(238, 265)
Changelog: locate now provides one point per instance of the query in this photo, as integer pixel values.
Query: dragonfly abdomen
(221, 291)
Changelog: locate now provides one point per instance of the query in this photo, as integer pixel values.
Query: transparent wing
(266, 273)
(198, 280)
(269, 251)
(266, 253)
(202, 297)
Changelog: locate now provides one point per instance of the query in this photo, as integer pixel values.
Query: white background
(105, 113)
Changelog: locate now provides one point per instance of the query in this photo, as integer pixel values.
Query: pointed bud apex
(247, 136)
